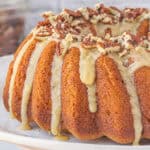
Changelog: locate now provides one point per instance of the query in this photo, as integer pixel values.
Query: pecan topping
(62, 28)
(44, 23)
(44, 31)
(128, 62)
(108, 33)
(91, 27)
(73, 13)
(60, 18)
(118, 11)
(131, 13)
(92, 12)
(135, 39)
(109, 43)
(58, 49)
(61, 34)
(75, 31)
(103, 9)
(88, 43)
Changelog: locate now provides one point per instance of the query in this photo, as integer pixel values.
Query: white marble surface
(7, 146)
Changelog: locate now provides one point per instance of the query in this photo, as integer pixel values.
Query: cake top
(105, 29)
(87, 20)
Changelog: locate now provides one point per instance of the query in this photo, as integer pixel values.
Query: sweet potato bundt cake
(86, 72)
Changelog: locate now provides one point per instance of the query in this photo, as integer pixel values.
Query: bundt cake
(84, 72)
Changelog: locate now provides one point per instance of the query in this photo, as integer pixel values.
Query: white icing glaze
(145, 16)
(15, 68)
(56, 94)
(65, 43)
(141, 58)
(29, 80)
(118, 28)
(91, 90)
(135, 107)
(87, 74)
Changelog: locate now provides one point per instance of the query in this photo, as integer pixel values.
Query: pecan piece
(60, 18)
(44, 31)
(88, 43)
(116, 10)
(91, 27)
(73, 13)
(143, 28)
(44, 23)
(92, 12)
(108, 33)
(109, 43)
(103, 9)
(128, 62)
(75, 31)
(58, 49)
(131, 13)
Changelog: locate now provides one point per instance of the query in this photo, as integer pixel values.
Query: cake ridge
(16, 64)
(28, 82)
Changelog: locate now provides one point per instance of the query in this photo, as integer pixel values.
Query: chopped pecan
(60, 18)
(108, 33)
(128, 62)
(109, 43)
(44, 23)
(62, 29)
(75, 31)
(65, 26)
(135, 39)
(92, 12)
(58, 49)
(143, 28)
(44, 31)
(91, 27)
(118, 11)
(108, 19)
(61, 34)
(115, 8)
(45, 15)
(131, 13)
(73, 13)
(103, 9)
(88, 43)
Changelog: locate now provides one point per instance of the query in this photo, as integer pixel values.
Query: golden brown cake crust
(113, 102)
(75, 112)
(6, 88)
(41, 96)
(19, 81)
(142, 82)
(10, 69)
(143, 28)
